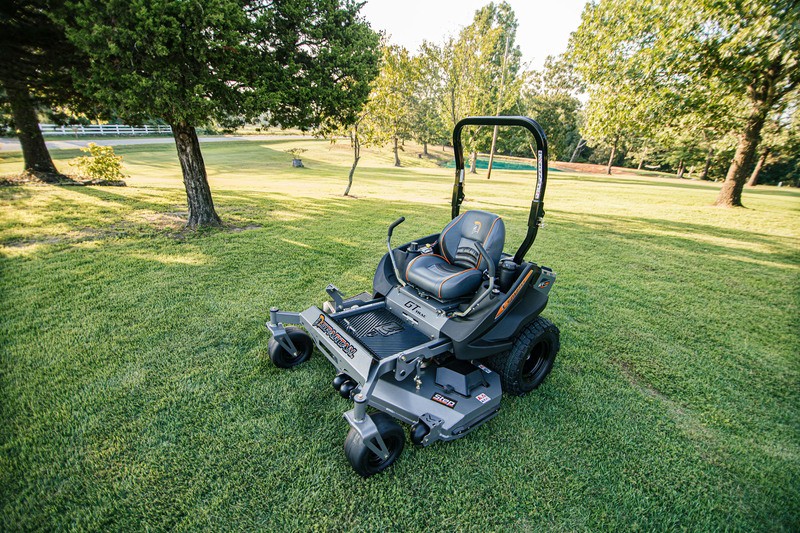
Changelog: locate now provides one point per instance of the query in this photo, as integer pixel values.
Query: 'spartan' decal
(513, 296)
(444, 400)
(539, 174)
(337, 338)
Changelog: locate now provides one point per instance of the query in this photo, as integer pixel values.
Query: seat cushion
(433, 274)
(458, 238)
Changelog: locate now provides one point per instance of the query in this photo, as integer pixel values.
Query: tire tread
(506, 364)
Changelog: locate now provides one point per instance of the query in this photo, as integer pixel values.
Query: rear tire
(530, 359)
(281, 357)
(363, 460)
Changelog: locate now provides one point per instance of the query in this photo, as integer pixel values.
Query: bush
(296, 152)
(101, 165)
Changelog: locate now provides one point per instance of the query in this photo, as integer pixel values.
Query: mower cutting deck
(452, 323)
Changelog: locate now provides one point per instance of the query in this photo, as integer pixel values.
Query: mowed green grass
(137, 394)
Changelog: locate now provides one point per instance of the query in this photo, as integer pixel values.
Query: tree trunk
(613, 153)
(491, 152)
(641, 161)
(198, 193)
(762, 96)
(425, 149)
(754, 176)
(34, 150)
(396, 157)
(577, 151)
(473, 162)
(356, 157)
(497, 109)
(681, 169)
(709, 157)
(730, 195)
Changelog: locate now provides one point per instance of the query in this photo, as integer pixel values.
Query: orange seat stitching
(480, 255)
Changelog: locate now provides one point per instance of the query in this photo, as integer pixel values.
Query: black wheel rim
(536, 361)
(375, 462)
(302, 352)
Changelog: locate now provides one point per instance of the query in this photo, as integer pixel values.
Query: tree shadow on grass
(132, 201)
(677, 183)
(692, 238)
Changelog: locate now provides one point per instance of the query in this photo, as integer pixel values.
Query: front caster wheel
(366, 462)
(282, 358)
(530, 359)
(419, 430)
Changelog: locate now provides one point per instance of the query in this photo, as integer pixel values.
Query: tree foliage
(191, 63)
(428, 124)
(389, 114)
(35, 71)
(705, 64)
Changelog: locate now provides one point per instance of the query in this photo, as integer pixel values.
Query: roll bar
(537, 205)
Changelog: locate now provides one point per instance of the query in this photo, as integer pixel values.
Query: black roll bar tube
(537, 205)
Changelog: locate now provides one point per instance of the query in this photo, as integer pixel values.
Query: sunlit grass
(136, 392)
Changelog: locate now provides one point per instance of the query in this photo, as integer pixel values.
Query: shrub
(101, 165)
(296, 152)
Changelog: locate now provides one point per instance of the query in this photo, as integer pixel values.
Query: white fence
(104, 129)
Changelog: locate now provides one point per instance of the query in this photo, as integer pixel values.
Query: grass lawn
(136, 391)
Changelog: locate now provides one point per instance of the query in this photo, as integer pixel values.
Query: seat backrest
(458, 239)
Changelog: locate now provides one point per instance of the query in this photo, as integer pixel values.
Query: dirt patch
(590, 168)
(164, 221)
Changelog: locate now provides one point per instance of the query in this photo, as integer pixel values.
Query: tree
(299, 62)
(492, 67)
(549, 98)
(388, 114)
(614, 116)
(558, 116)
(473, 71)
(508, 65)
(35, 70)
(779, 158)
(360, 132)
(747, 51)
(627, 98)
(427, 124)
(756, 53)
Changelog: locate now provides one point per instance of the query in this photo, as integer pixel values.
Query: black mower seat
(459, 270)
